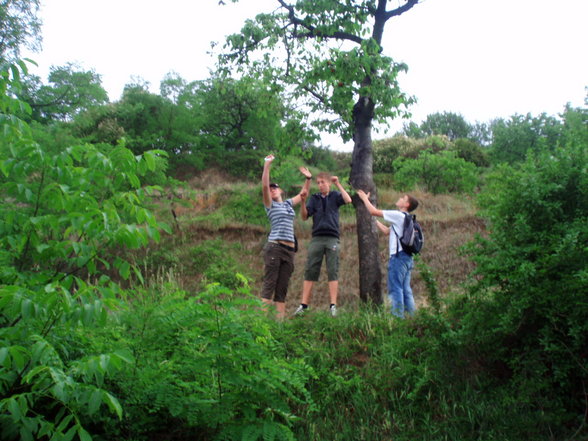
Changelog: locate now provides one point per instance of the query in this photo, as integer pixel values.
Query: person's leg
(281, 310)
(271, 273)
(306, 291)
(409, 305)
(312, 270)
(332, 249)
(333, 291)
(284, 273)
(395, 285)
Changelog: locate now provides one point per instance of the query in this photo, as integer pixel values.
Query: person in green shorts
(323, 207)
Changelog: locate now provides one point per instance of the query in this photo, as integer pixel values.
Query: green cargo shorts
(320, 246)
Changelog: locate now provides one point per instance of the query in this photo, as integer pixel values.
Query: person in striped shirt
(278, 253)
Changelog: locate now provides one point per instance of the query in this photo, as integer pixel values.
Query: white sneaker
(334, 311)
(300, 310)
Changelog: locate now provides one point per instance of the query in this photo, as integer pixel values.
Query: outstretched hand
(362, 194)
(334, 179)
(269, 158)
(305, 172)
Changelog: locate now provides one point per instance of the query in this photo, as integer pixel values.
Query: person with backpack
(403, 230)
(278, 252)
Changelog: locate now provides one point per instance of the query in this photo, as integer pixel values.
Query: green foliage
(471, 152)
(382, 378)
(436, 173)
(20, 27)
(533, 271)
(69, 92)
(215, 261)
(207, 367)
(245, 205)
(217, 122)
(450, 124)
(299, 46)
(242, 164)
(63, 213)
(512, 139)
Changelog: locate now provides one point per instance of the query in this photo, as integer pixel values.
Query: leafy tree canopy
(70, 91)
(19, 26)
(513, 138)
(326, 54)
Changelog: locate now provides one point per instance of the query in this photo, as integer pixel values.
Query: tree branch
(313, 32)
(401, 10)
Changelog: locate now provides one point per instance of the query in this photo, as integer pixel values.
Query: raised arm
(346, 197)
(301, 197)
(366, 200)
(265, 181)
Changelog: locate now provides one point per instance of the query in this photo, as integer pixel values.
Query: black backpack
(412, 235)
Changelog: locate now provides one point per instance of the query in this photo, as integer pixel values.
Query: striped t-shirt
(281, 216)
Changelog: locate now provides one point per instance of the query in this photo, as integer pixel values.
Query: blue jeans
(399, 290)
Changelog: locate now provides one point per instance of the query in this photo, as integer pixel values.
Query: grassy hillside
(448, 222)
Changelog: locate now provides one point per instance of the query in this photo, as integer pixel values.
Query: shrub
(61, 215)
(437, 173)
(533, 273)
(214, 261)
(207, 367)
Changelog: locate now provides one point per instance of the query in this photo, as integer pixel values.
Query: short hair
(324, 175)
(413, 203)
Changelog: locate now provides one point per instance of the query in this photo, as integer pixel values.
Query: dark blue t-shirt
(325, 213)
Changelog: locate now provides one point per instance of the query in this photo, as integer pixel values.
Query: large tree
(328, 54)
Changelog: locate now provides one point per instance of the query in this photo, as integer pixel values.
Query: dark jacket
(325, 213)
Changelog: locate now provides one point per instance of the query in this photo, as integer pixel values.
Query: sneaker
(300, 310)
(334, 311)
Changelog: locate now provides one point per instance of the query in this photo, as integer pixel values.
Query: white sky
(480, 58)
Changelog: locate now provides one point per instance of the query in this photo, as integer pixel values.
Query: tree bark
(370, 274)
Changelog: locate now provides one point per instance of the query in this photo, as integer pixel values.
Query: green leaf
(4, 360)
(84, 436)
(124, 269)
(112, 404)
(18, 356)
(14, 409)
(95, 401)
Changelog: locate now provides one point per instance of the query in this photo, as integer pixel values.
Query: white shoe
(334, 311)
(300, 310)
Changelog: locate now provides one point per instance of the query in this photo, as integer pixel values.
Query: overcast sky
(480, 58)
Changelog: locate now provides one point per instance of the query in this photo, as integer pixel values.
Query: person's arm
(366, 200)
(301, 197)
(265, 181)
(346, 197)
(303, 209)
(383, 228)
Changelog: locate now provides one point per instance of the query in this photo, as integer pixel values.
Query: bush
(213, 260)
(470, 151)
(437, 173)
(62, 213)
(207, 368)
(533, 273)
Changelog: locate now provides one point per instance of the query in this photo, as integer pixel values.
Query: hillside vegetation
(129, 283)
(449, 222)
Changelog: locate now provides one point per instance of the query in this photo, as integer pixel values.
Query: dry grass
(448, 222)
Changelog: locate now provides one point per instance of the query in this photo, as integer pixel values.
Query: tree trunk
(370, 274)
